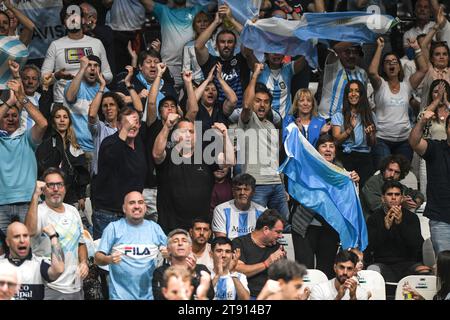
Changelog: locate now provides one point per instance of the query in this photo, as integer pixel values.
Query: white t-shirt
(69, 227)
(327, 291)
(392, 112)
(228, 219)
(66, 53)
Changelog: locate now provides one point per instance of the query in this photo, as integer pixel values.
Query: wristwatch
(54, 235)
(131, 86)
(25, 100)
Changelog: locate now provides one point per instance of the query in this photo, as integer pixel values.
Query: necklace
(395, 88)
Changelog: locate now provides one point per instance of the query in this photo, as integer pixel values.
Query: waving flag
(324, 188)
(243, 10)
(299, 37)
(11, 48)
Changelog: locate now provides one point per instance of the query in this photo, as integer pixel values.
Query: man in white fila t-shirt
(238, 216)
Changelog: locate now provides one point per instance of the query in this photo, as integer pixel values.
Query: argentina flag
(11, 48)
(325, 188)
(299, 37)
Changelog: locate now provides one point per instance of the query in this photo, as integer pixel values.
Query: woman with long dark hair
(392, 95)
(354, 130)
(60, 149)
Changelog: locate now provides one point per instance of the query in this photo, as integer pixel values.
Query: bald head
(18, 240)
(134, 207)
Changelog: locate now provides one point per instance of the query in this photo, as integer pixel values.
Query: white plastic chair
(288, 246)
(429, 257)
(374, 282)
(313, 277)
(424, 285)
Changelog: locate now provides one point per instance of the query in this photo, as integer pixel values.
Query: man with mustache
(200, 234)
(68, 226)
(393, 168)
(238, 216)
(345, 285)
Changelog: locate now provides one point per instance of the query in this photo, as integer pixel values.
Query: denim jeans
(384, 148)
(272, 196)
(440, 236)
(8, 212)
(101, 219)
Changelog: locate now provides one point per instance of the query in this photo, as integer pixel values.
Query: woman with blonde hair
(304, 113)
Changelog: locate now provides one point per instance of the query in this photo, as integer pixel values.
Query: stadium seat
(288, 246)
(374, 282)
(313, 277)
(429, 258)
(424, 285)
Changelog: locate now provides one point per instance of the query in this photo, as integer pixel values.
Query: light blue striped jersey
(279, 83)
(79, 112)
(11, 49)
(233, 222)
(225, 288)
(25, 120)
(334, 81)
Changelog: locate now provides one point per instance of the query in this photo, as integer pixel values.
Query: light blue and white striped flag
(299, 37)
(243, 10)
(11, 48)
(325, 188)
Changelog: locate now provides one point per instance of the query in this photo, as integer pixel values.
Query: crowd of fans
(140, 143)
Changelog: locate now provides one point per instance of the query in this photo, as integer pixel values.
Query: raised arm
(416, 141)
(192, 103)
(159, 148)
(226, 158)
(40, 125)
(201, 88)
(153, 94)
(416, 78)
(96, 102)
(32, 215)
(135, 99)
(225, 11)
(57, 255)
(74, 87)
(374, 77)
(201, 52)
(28, 26)
(249, 94)
(231, 98)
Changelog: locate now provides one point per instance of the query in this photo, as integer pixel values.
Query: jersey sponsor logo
(230, 76)
(73, 55)
(138, 251)
(242, 229)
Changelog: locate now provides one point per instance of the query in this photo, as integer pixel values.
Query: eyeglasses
(393, 62)
(10, 284)
(52, 185)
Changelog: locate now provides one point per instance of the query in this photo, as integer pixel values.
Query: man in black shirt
(395, 240)
(235, 70)
(185, 180)
(437, 156)
(259, 249)
(122, 168)
(179, 248)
